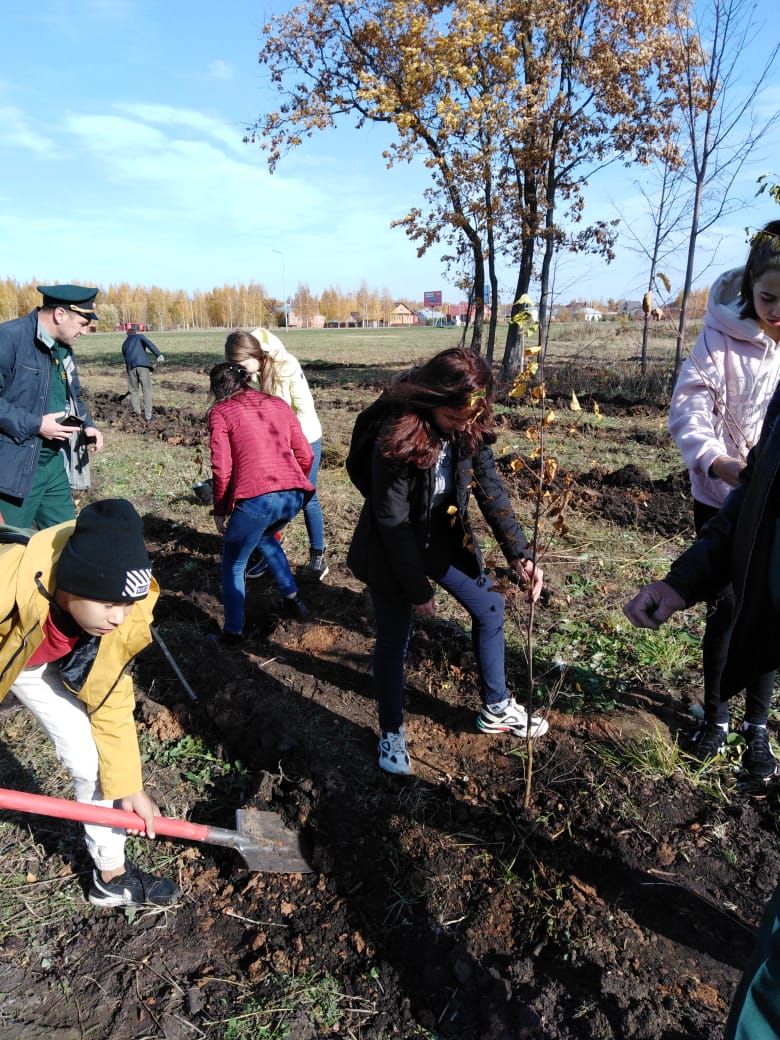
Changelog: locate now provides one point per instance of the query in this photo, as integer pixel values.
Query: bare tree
(719, 117)
(668, 208)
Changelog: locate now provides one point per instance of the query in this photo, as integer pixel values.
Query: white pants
(65, 720)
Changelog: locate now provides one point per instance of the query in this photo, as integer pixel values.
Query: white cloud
(190, 177)
(219, 69)
(189, 119)
(16, 133)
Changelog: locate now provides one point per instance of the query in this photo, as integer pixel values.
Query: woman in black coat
(741, 544)
(428, 441)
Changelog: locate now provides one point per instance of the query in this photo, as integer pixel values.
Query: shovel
(260, 837)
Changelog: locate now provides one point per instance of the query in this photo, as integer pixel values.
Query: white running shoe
(513, 719)
(393, 756)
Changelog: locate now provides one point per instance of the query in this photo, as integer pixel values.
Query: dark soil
(614, 908)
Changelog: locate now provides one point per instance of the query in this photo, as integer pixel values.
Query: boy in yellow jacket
(75, 608)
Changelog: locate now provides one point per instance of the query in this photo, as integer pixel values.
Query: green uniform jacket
(107, 692)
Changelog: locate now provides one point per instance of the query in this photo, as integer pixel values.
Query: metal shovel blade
(268, 845)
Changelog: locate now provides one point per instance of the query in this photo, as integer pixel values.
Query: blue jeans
(312, 511)
(393, 623)
(252, 524)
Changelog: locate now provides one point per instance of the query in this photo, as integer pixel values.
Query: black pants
(715, 644)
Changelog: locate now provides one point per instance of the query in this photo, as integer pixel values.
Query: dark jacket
(136, 349)
(735, 546)
(395, 524)
(25, 383)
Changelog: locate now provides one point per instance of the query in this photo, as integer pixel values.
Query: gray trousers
(140, 379)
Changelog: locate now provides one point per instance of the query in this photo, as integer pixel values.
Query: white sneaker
(513, 719)
(393, 756)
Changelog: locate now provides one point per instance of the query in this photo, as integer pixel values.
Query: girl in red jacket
(260, 460)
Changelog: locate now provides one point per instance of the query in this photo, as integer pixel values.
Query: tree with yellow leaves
(512, 105)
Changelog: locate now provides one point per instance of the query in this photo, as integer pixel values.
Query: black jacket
(735, 546)
(395, 524)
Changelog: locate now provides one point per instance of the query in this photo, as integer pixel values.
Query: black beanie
(105, 558)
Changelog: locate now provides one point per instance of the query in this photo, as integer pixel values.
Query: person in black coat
(429, 449)
(741, 544)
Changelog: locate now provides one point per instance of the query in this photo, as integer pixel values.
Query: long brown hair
(764, 256)
(454, 378)
(241, 345)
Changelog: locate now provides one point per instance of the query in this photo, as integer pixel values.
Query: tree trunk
(491, 343)
(510, 364)
(479, 294)
(547, 259)
(686, 292)
(491, 254)
(645, 338)
(544, 287)
(512, 350)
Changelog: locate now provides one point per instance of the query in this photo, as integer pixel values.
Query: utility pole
(284, 291)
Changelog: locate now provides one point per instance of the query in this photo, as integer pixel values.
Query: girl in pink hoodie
(715, 418)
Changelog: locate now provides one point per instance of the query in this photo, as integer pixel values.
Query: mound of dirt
(631, 498)
(627, 496)
(173, 425)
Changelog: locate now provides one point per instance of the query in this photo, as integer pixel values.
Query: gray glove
(160, 358)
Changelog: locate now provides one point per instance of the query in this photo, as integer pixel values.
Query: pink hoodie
(257, 446)
(723, 389)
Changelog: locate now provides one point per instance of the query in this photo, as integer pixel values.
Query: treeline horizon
(228, 306)
(239, 306)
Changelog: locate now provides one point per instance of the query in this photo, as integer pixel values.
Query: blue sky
(121, 151)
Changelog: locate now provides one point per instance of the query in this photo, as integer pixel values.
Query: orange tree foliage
(228, 306)
(505, 102)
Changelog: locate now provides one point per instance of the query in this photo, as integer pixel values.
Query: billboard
(432, 299)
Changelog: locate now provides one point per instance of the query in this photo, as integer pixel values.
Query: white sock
(499, 707)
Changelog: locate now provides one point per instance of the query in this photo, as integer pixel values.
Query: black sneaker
(707, 741)
(757, 758)
(294, 607)
(231, 638)
(257, 570)
(226, 638)
(9, 703)
(317, 568)
(133, 888)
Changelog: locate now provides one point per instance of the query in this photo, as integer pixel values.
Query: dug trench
(614, 907)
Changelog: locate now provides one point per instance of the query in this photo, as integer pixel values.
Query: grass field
(603, 341)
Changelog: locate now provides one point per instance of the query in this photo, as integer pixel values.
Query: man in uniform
(41, 406)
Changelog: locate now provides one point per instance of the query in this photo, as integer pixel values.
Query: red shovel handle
(65, 809)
